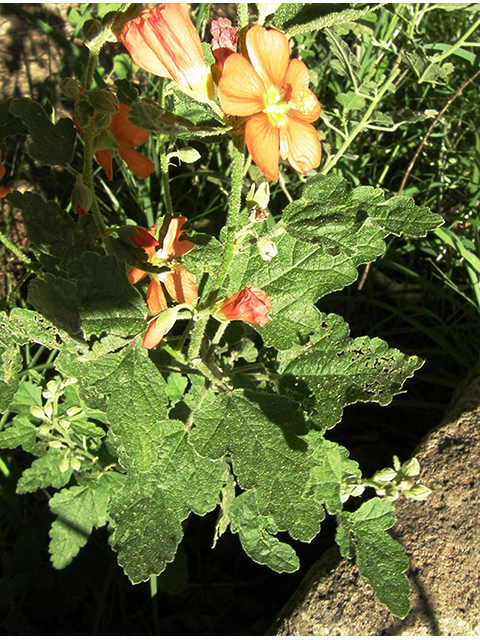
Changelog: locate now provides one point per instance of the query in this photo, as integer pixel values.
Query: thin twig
(431, 127)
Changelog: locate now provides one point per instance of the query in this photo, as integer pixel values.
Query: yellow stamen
(275, 107)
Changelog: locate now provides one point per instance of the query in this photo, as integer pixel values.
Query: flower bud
(266, 248)
(70, 87)
(103, 101)
(83, 112)
(101, 121)
(82, 198)
(91, 29)
(250, 305)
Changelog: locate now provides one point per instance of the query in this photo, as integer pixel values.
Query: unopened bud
(266, 248)
(64, 465)
(103, 101)
(82, 198)
(100, 121)
(70, 87)
(83, 112)
(75, 464)
(91, 29)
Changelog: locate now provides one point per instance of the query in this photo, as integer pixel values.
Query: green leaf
(381, 560)
(262, 434)
(97, 298)
(49, 228)
(151, 507)
(326, 239)
(332, 464)
(344, 62)
(183, 123)
(340, 370)
(79, 510)
(57, 300)
(24, 325)
(341, 218)
(21, 434)
(11, 364)
(108, 301)
(9, 124)
(303, 17)
(257, 541)
(350, 101)
(44, 472)
(176, 385)
(27, 395)
(52, 144)
(205, 256)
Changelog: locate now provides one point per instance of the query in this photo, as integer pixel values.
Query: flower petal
(299, 144)
(144, 237)
(172, 246)
(181, 285)
(138, 163)
(240, 88)
(269, 53)
(262, 139)
(156, 300)
(105, 159)
(124, 132)
(153, 335)
(297, 93)
(134, 275)
(164, 41)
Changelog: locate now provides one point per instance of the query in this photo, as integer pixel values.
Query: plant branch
(431, 127)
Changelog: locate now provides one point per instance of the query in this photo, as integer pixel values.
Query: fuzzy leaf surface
(342, 219)
(50, 228)
(79, 510)
(11, 363)
(381, 560)
(152, 505)
(341, 370)
(52, 144)
(44, 472)
(263, 435)
(96, 298)
(255, 532)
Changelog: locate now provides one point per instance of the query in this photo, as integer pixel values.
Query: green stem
(197, 337)
(234, 207)
(242, 12)
(363, 122)
(457, 44)
(88, 151)
(19, 254)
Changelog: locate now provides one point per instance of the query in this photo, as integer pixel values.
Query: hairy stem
(88, 151)
(234, 208)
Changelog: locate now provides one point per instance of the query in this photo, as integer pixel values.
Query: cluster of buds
(388, 483)
(56, 430)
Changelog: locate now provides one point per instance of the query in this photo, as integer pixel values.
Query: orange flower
(123, 137)
(180, 283)
(272, 91)
(249, 305)
(164, 42)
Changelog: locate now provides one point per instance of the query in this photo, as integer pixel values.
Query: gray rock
(441, 537)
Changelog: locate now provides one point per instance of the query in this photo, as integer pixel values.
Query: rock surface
(441, 537)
